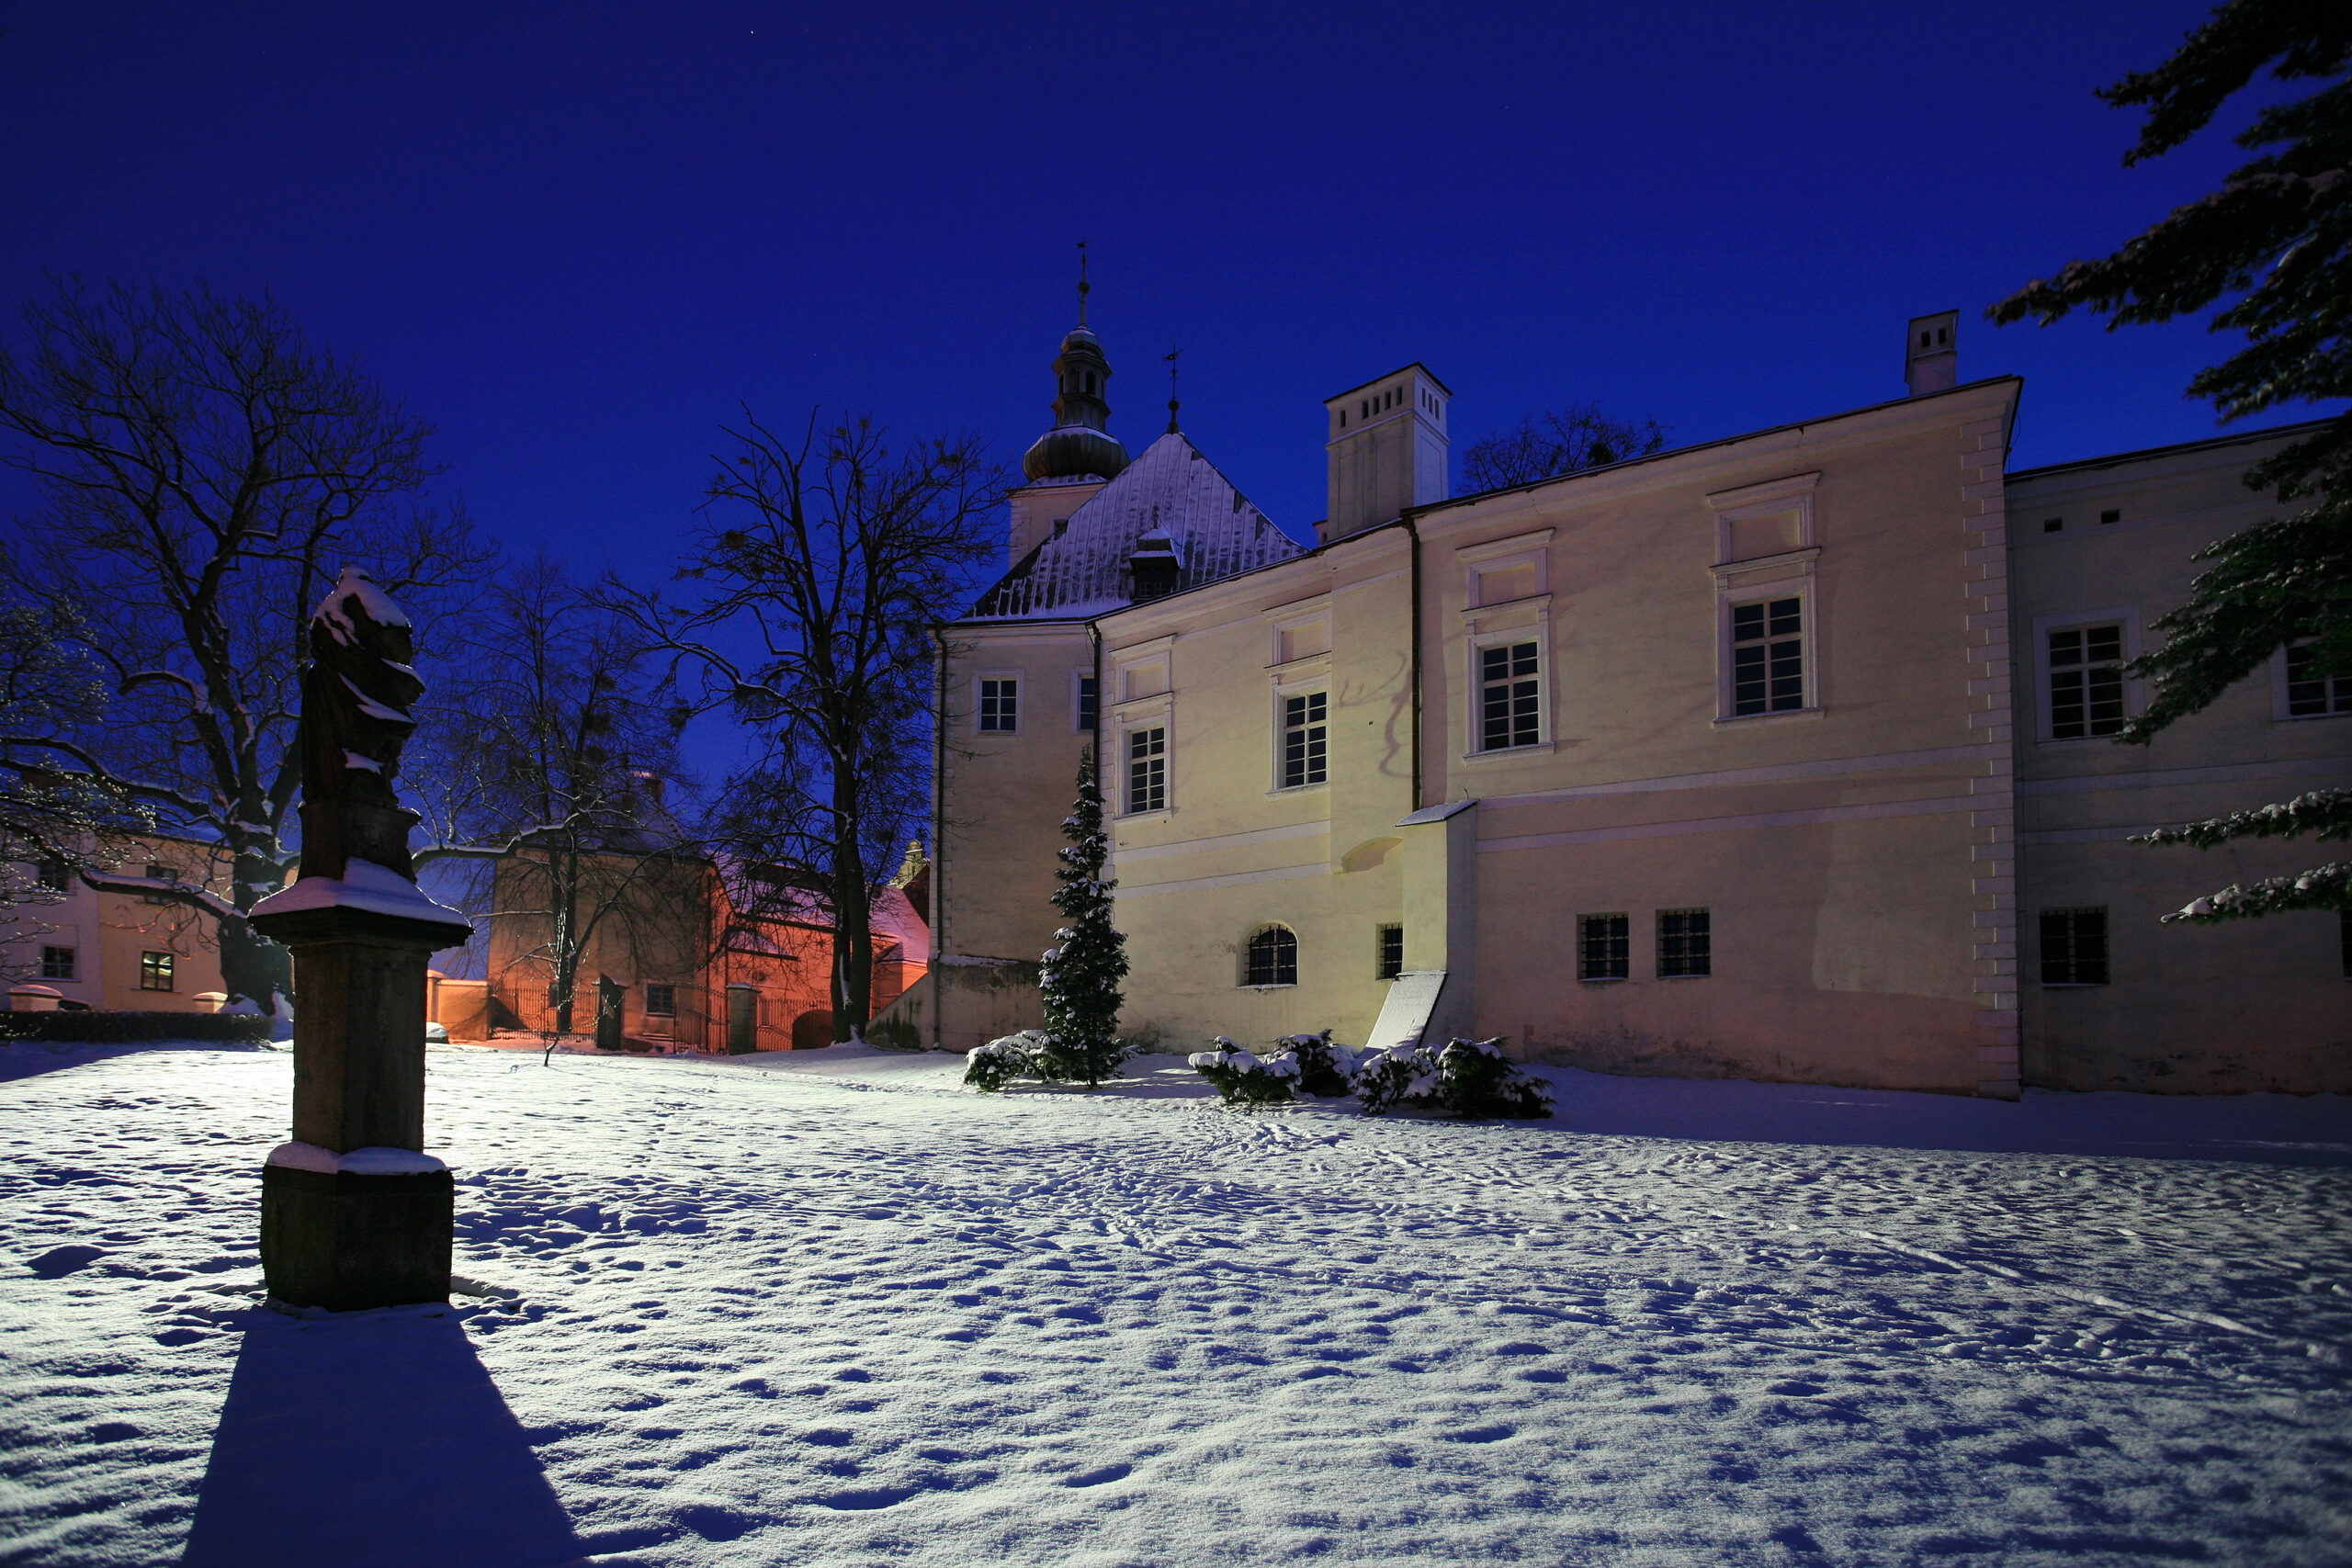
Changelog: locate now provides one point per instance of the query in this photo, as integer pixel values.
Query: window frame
(2282, 686)
(1729, 599)
(1478, 644)
(157, 871)
(1705, 937)
(55, 968)
(668, 987)
(153, 964)
(1302, 692)
(2135, 690)
(1249, 982)
(981, 679)
(1621, 963)
(1128, 729)
(2042, 960)
(1080, 723)
(1382, 969)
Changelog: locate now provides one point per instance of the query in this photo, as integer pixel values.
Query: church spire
(1080, 446)
(1170, 356)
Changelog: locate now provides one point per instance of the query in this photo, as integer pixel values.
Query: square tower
(1388, 442)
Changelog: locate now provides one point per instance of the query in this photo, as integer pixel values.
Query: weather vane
(1082, 290)
(1170, 356)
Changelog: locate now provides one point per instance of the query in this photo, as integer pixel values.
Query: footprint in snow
(1108, 1473)
(1494, 1433)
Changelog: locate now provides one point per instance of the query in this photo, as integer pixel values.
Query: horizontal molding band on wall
(1736, 824)
(1238, 879)
(1777, 773)
(1222, 841)
(2165, 778)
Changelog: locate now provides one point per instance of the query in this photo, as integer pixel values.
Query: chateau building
(1784, 756)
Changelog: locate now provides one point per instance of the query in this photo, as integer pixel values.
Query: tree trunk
(252, 967)
(852, 907)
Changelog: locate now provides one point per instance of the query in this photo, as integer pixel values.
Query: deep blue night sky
(576, 236)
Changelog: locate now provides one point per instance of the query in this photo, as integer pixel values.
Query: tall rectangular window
(661, 1001)
(53, 874)
(2085, 682)
(2073, 947)
(1508, 697)
(1389, 952)
(999, 706)
(1605, 947)
(1303, 740)
(1685, 946)
(155, 971)
(1087, 709)
(57, 963)
(1766, 656)
(2309, 694)
(1146, 769)
(158, 872)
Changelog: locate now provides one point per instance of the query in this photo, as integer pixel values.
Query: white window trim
(1020, 702)
(1766, 500)
(1299, 681)
(1475, 642)
(1159, 715)
(1297, 616)
(2279, 714)
(2135, 692)
(1076, 675)
(1798, 586)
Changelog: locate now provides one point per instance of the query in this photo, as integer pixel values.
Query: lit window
(2309, 694)
(999, 706)
(1146, 769)
(1684, 944)
(1273, 958)
(57, 963)
(1508, 693)
(1083, 718)
(1390, 952)
(2073, 947)
(1766, 657)
(155, 971)
(2085, 682)
(1605, 947)
(1303, 740)
(661, 1001)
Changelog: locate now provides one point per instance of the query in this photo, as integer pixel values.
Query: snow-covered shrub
(1325, 1067)
(1463, 1077)
(893, 1034)
(990, 1066)
(1246, 1080)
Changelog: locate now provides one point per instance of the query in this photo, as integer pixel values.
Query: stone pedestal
(337, 1237)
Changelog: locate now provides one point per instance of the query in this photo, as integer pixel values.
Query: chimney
(1931, 352)
(1386, 443)
(1153, 565)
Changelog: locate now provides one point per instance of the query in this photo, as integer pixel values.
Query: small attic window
(1343, 419)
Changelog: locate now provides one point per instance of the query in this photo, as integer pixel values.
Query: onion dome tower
(1078, 446)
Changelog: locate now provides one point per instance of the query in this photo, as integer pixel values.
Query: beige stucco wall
(2253, 1005)
(109, 931)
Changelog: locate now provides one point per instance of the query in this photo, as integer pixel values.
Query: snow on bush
(1325, 1067)
(990, 1066)
(1246, 1080)
(1463, 1077)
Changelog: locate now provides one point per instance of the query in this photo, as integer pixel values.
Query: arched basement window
(1273, 958)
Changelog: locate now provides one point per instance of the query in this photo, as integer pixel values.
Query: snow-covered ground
(827, 1308)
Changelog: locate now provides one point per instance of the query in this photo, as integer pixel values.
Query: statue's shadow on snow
(367, 1440)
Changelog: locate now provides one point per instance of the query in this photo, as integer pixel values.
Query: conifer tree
(1082, 971)
(2276, 239)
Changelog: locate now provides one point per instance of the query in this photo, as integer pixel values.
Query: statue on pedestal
(354, 1212)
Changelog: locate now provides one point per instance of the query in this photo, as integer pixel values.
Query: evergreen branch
(2323, 813)
(2322, 887)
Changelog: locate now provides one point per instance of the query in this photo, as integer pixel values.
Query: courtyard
(829, 1307)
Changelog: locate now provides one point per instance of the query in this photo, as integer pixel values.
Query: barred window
(1605, 947)
(999, 706)
(57, 963)
(1273, 958)
(1303, 740)
(2073, 947)
(2085, 682)
(1684, 943)
(2309, 694)
(1084, 719)
(1508, 693)
(1146, 769)
(155, 971)
(661, 1001)
(1389, 952)
(1766, 656)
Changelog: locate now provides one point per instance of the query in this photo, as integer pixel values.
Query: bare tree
(823, 565)
(204, 473)
(1545, 446)
(551, 752)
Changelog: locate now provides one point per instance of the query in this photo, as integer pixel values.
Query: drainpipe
(1094, 634)
(1414, 534)
(938, 910)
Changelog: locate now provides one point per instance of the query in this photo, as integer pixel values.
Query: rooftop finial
(1082, 290)
(1170, 356)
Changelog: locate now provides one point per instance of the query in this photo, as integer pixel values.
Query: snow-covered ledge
(364, 884)
(359, 1162)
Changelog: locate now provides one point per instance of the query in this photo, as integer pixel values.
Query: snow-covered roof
(1171, 488)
